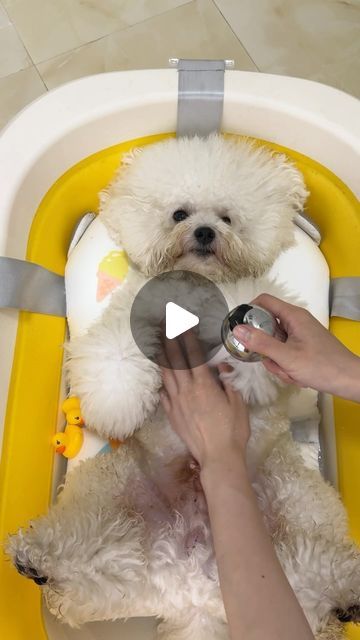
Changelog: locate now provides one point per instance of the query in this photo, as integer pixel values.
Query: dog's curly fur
(129, 534)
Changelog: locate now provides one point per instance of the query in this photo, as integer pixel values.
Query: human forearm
(346, 383)
(212, 419)
(247, 561)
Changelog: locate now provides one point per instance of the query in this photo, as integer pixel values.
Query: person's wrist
(224, 466)
(347, 382)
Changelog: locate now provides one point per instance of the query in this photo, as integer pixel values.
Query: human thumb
(259, 341)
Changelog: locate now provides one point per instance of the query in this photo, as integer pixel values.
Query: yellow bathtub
(47, 196)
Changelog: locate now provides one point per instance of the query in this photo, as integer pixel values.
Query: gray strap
(345, 298)
(201, 96)
(28, 286)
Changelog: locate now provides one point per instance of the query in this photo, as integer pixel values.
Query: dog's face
(218, 207)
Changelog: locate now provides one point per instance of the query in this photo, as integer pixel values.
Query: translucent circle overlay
(191, 292)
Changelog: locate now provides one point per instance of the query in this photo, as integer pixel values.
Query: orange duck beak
(60, 449)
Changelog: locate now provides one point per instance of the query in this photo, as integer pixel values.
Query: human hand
(311, 355)
(209, 416)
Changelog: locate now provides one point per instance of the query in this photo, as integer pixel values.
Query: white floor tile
(13, 55)
(17, 90)
(194, 30)
(315, 39)
(4, 18)
(52, 27)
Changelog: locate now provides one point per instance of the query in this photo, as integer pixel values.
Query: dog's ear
(126, 161)
(129, 157)
(293, 182)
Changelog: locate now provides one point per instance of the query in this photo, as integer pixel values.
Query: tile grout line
(129, 26)
(32, 65)
(119, 31)
(112, 33)
(236, 36)
(41, 78)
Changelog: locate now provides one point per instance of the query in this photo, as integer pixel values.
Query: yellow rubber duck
(71, 408)
(70, 441)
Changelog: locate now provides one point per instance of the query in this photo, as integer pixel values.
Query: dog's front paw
(256, 385)
(117, 386)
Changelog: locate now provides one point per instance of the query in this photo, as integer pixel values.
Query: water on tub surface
(134, 629)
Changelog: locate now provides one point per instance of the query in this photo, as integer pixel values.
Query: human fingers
(234, 397)
(224, 367)
(274, 368)
(260, 342)
(231, 394)
(174, 354)
(281, 309)
(195, 356)
(165, 401)
(167, 373)
(285, 378)
(238, 407)
(169, 381)
(177, 362)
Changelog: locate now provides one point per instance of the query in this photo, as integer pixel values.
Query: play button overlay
(178, 320)
(167, 307)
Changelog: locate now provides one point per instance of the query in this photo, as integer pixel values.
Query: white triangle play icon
(178, 320)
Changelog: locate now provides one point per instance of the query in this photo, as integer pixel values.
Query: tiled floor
(44, 43)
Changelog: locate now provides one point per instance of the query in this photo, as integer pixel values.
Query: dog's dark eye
(180, 215)
(226, 219)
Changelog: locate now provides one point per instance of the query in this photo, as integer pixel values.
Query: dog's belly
(171, 501)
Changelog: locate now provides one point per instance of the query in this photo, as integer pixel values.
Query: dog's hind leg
(310, 530)
(88, 553)
(325, 576)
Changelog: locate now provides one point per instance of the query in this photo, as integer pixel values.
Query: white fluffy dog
(129, 534)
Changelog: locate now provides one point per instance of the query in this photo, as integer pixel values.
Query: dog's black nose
(204, 235)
